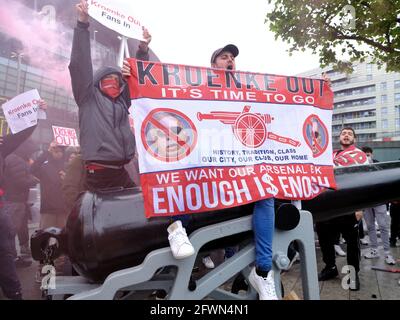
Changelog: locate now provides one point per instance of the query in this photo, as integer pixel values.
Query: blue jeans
(9, 281)
(263, 228)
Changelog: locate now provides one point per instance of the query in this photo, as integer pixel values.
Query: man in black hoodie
(106, 140)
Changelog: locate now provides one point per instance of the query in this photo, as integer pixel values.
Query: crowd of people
(107, 151)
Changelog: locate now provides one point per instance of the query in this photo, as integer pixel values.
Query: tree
(359, 30)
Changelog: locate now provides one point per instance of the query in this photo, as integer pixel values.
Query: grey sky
(188, 31)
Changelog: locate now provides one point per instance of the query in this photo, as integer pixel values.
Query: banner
(210, 139)
(65, 136)
(117, 15)
(21, 112)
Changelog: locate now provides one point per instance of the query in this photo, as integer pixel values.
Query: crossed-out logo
(49, 278)
(349, 280)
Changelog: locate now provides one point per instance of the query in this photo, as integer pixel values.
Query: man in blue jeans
(262, 275)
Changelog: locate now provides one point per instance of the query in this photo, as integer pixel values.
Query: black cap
(229, 47)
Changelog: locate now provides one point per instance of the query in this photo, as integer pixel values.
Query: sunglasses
(175, 130)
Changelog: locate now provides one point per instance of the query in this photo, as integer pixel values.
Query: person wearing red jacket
(347, 155)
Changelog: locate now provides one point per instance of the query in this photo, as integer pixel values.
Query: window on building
(383, 86)
(340, 94)
(397, 123)
(397, 97)
(384, 111)
(12, 71)
(369, 68)
(383, 98)
(34, 77)
(385, 124)
(370, 89)
(369, 77)
(396, 84)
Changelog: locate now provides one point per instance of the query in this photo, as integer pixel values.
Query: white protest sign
(65, 136)
(117, 15)
(21, 112)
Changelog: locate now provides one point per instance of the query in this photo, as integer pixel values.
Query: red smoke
(39, 40)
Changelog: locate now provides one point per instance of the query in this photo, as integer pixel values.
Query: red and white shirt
(349, 157)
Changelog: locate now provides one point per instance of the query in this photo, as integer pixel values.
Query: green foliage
(330, 31)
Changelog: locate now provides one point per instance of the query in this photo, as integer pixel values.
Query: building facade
(367, 100)
(20, 70)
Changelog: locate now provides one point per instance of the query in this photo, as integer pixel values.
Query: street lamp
(94, 44)
(18, 56)
(123, 50)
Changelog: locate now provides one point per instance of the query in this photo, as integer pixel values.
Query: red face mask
(110, 87)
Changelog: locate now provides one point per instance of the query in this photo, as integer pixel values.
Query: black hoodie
(47, 170)
(17, 176)
(105, 134)
(10, 143)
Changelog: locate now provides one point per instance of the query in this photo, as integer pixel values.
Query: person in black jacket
(394, 223)
(9, 281)
(17, 181)
(107, 142)
(49, 168)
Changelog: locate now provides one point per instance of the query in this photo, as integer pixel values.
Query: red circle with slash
(168, 143)
(315, 140)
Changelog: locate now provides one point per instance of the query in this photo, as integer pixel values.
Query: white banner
(21, 112)
(280, 134)
(211, 139)
(117, 15)
(65, 136)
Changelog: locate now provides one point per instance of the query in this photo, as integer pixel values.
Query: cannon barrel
(108, 231)
(224, 116)
(227, 117)
(358, 187)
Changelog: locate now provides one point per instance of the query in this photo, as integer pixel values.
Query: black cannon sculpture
(108, 231)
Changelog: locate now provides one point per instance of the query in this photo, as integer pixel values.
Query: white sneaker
(264, 286)
(390, 260)
(364, 241)
(372, 254)
(339, 251)
(207, 261)
(179, 242)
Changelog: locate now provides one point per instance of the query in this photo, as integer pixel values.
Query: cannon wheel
(250, 130)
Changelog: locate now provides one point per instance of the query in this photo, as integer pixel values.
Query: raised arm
(80, 66)
(141, 54)
(13, 141)
(37, 164)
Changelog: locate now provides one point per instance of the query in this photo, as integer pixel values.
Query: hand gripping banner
(210, 139)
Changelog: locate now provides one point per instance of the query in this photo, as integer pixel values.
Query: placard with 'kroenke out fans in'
(210, 139)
